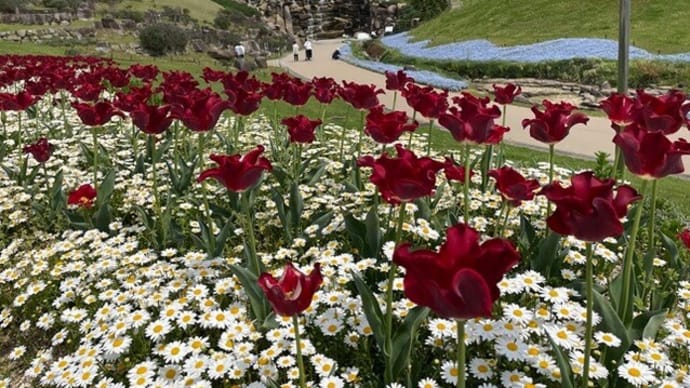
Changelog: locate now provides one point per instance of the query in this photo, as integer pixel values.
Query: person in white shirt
(295, 51)
(239, 50)
(307, 49)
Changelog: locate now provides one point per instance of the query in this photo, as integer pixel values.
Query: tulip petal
(473, 290)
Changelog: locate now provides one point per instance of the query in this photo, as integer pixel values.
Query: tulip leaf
(647, 324)
(611, 322)
(102, 218)
(563, 364)
(356, 230)
(373, 236)
(546, 259)
(296, 206)
(282, 214)
(316, 176)
(485, 165)
(404, 338)
(371, 308)
(670, 249)
(221, 237)
(105, 189)
(257, 299)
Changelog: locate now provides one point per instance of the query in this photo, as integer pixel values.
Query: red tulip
(243, 102)
(97, 114)
(325, 89)
(293, 292)
(425, 100)
(17, 102)
(454, 171)
(238, 173)
(588, 209)
(83, 196)
(684, 237)
(152, 119)
(685, 113)
(275, 90)
(661, 113)
(474, 122)
(360, 96)
(241, 80)
(144, 72)
(40, 150)
(211, 75)
(131, 101)
(386, 128)
(404, 178)
(513, 186)
(88, 92)
(297, 93)
(117, 78)
(460, 280)
(651, 155)
(505, 95)
(301, 129)
(398, 80)
(553, 125)
(620, 109)
(200, 111)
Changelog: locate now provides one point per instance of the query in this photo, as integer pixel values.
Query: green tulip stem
(395, 99)
(65, 121)
(409, 141)
(19, 130)
(255, 266)
(298, 161)
(506, 214)
(320, 135)
(461, 353)
(361, 132)
(625, 304)
(94, 136)
(500, 152)
(552, 152)
(300, 362)
(154, 175)
(466, 184)
(428, 139)
(388, 344)
(652, 216)
(342, 144)
(588, 324)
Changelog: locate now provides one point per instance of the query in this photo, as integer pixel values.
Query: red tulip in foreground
(360, 96)
(553, 125)
(588, 208)
(474, 121)
(620, 109)
(684, 237)
(97, 114)
(505, 95)
(238, 173)
(454, 171)
(40, 150)
(513, 186)
(397, 80)
(301, 129)
(292, 293)
(651, 155)
(83, 196)
(404, 178)
(386, 128)
(660, 113)
(460, 280)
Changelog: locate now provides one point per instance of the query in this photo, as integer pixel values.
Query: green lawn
(659, 25)
(202, 10)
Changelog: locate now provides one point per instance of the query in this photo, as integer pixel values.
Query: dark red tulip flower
(97, 114)
(151, 119)
(685, 113)
(474, 121)
(386, 128)
(513, 186)
(404, 178)
(116, 77)
(325, 89)
(684, 237)
(131, 101)
(144, 72)
(553, 125)
(505, 95)
(425, 100)
(301, 129)
(360, 96)
(243, 102)
(83, 196)
(651, 155)
(460, 280)
(662, 113)
(36, 88)
(620, 109)
(275, 90)
(292, 293)
(588, 208)
(201, 111)
(17, 102)
(238, 173)
(211, 75)
(88, 92)
(40, 150)
(241, 80)
(297, 93)
(454, 171)
(397, 80)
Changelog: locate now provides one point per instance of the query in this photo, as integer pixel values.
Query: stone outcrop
(324, 19)
(48, 34)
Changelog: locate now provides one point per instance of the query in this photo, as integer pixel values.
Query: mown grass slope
(657, 25)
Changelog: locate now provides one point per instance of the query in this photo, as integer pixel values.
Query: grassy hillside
(202, 10)
(657, 25)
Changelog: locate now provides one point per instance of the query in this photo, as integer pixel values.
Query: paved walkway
(583, 141)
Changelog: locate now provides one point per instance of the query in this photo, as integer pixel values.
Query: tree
(162, 38)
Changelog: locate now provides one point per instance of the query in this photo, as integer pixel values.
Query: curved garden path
(583, 141)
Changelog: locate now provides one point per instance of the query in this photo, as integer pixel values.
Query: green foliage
(62, 5)
(137, 16)
(160, 39)
(11, 5)
(420, 11)
(235, 7)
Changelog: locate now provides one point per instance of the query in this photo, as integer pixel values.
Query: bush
(160, 39)
(421, 10)
(11, 5)
(130, 14)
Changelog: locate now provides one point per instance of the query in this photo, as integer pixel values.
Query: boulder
(108, 22)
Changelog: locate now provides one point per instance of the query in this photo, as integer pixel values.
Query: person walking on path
(307, 49)
(295, 51)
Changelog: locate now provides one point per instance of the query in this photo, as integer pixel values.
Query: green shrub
(11, 5)
(160, 39)
(131, 14)
(236, 7)
(421, 10)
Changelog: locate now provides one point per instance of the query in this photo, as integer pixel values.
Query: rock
(246, 64)
(108, 22)
(261, 62)
(198, 45)
(220, 54)
(64, 23)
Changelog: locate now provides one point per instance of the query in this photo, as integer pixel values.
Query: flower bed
(130, 259)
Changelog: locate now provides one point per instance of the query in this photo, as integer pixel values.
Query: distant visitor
(307, 49)
(336, 54)
(295, 51)
(239, 50)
